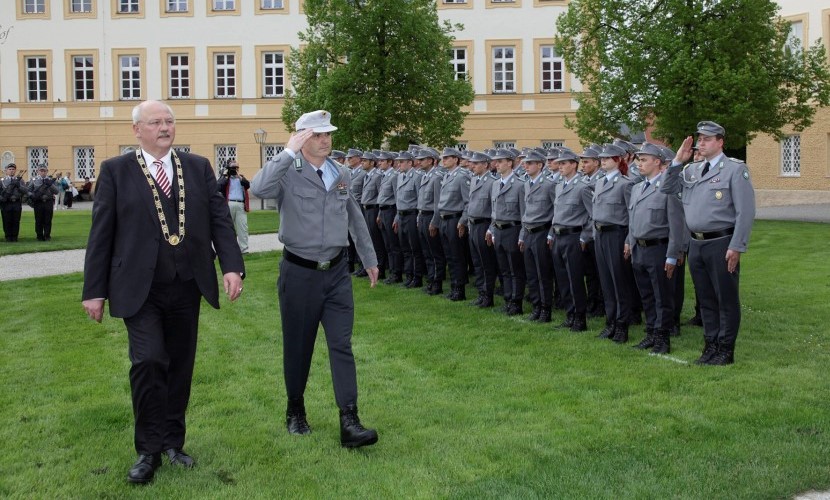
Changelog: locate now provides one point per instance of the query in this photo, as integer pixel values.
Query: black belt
(407, 212)
(238, 201)
(561, 230)
(604, 228)
(506, 224)
(369, 207)
(478, 221)
(711, 235)
(425, 212)
(543, 227)
(452, 215)
(386, 207)
(311, 264)
(651, 243)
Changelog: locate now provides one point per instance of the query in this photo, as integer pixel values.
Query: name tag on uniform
(342, 188)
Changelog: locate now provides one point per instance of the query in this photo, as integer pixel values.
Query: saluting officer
(386, 217)
(479, 211)
(428, 195)
(12, 190)
(719, 205)
(452, 206)
(654, 245)
(539, 197)
(371, 188)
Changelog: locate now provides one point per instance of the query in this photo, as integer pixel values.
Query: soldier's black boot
(417, 282)
(487, 301)
(607, 332)
(515, 308)
(709, 350)
(295, 420)
(457, 294)
(620, 333)
(437, 288)
(724, 356)
(662, 344)
(579, 324)
(427, 286)
(545, 314)
(352, 432)
(568, 323)
(477, 302)
(535, 313)
(647, 342)
(409, 279)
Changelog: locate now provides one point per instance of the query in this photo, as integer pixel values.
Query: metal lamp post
(259, 137)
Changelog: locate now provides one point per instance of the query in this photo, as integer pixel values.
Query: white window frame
(224, 90)
(455, 1)
(551, 70)
(129, 6)
(276, 86)
(553, 144)
(80, 6)
(504, 144)
(271, 4)
(460, 65)
(176, 6)
(795, 36)
(270, 151)
(176, 81)
(791, 156)
(34, 6)
(182, 148)
(86, 84)
(222, 5)
(84, 161)
(36, 156)
(461, 146)
(222, 154)
(129, 84)
(504, 69)
(39, 76)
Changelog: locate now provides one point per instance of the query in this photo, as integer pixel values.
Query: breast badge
(718, 195)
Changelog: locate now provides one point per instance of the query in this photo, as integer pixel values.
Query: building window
(130, 67)
(270, 4)
(791, 156)
(504, 69)
(224, 154)
(503, 1)
(79, 6)
(273, 74)
(128, 6)
(553, 144)
(84, 162)
(224, 4)
(455, 1)
(37, 156)
(36, 79)
(179, 69)
(458, 61)
(504, 144)
(176, 6)
(461, 146)
(83, 78)
(225, 73)
(795, 39)
(552, 70)
(34, 6)
(270, 151)
(181, 149)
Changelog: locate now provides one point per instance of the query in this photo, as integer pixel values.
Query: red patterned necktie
(161, 178)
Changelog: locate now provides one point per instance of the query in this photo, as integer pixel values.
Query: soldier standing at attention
(479, 211)
(386, 217)
(371, 189)
(356, 175)
(406, 225)
(12, 190)
(452, 207)
(719, 205)
(428, 195)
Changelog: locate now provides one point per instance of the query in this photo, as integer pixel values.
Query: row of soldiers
(39, 193)
(592, 232)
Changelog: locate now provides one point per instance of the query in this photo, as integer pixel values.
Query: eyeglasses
(157, 123)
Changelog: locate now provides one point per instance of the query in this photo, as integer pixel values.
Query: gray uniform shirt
(539, 197)
(429, 193)
(356, 183)
(721, 199)
(371, 187)
(653, 214)
(508, 201)
(479, 205)
(573, 207)
(611, 200)
(314, 222)
(455, 193)
(388, 183)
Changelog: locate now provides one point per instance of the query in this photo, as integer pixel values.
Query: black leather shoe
(648, 342)
(459, 293)
(620, 333)
(477, 302)
(545, 315)
(709, 350)
(295, 420)
(606, 332)
(514, 308)
(579, 323)
(437, 288)
(535, 313)
(724, 356)
(487, 301)
(567, 323)
(361, 273)
(144, 469)
(177, 456)
(662, 344)
(352, 432)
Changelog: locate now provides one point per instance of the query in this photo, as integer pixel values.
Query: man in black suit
(155, 216)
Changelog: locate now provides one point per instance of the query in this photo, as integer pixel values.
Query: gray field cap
(534, 155)
(710, 128)
(479, 157)
(610, 150)
(668, 153)
(650, 149)
(627, 146)
(354, 152)
(500, 154)
(337, 154)
(368, 155)
(404, 155)
(566, 154)
(590, 153)
(450, 152)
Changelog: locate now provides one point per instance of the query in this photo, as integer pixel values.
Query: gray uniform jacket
(406, 191)
(314, 223)
(573, 207)
(388, 183)
(539, 198)
(455, 193)
(429, 193)
(611, 200)
(356, 183)
(508, 202)
(653, 215)
(371, 187)
(721, 199)
(480, 205)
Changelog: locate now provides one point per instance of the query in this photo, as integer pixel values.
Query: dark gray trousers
(717, 290)
(615, 280)
(569, 261)
(511, 263)
(453, 246)
(656, 290)
(538, 269)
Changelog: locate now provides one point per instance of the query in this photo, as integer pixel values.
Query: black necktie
(646, 185)
(705, 169)
(605, 182)
(320, 173)
(502, 184)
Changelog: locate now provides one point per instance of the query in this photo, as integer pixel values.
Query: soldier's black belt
(386, 207)
(713, 234)
(425, 212)
(604, 228)
(651, 243)
(537, 229)
(370, 207)
(507, 224)
(478, 221)
(407, 212)
(312, 264)
(453, 215)
(562, 230)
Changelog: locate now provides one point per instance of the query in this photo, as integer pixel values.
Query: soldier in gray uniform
(338, 156)
(679, 278)
(479, 211)
(405, 225)
(371, 188)
(507, 199)
(317, 211)
(630, 159)
(356, 174)
(589, 164)
(428, 195)
(719, 204)
(12, 189)
(570, 235)
(654, 245)
(452, 206)
(386, 217)
(611, 198)
(539, 197)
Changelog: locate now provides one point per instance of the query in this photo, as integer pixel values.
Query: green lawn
(70, 229)
(468, 403)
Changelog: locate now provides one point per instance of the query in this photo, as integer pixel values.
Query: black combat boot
(352, 432)
(487, 301)
(477, 302)
(709, 350)
(724, 356)
(620, 333)
(535, 313)
(409, 279)
(545, 314)
(295, 419)
(459, 293)
(647, 342)
(568, 322)
(427, 286)
(662, 344)
(515, 308)
(607, 332)
(579, 324)
(437, 288)
(417, 282)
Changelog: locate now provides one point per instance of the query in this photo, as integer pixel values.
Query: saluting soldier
(479, 211)
(452, 206)
(654, 245)
(12, 190)
(369, 197)
(386, 217)
(539, 197)
(719, 205)
(570, 234)
(507, 198)
(405, 225)
(428, 196)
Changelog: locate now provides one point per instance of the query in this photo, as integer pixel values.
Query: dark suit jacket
(125, 236)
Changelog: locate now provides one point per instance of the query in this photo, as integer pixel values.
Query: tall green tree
(671, 63)
(382, 68)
